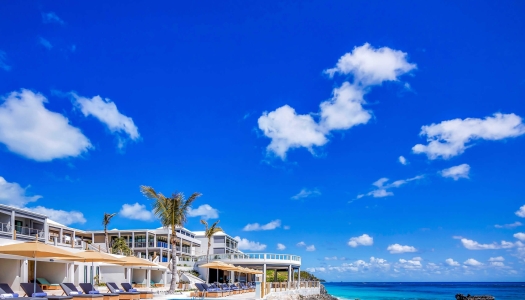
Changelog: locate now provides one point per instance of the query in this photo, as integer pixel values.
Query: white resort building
(20, 225)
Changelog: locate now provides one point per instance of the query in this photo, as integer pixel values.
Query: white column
(289, 275)
(264, 273)
(61, 235)
(148, 278)
(24, 272)
(12, 224)
(299, 277)
(73, 237)
(133, 241)
(46, 231)
(147, 242)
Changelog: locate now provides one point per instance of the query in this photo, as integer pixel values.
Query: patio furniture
(88, 288)
(36, 292)
(143, 294)
(71, 290)
(123, 295)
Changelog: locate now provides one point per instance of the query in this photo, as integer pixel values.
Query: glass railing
(27, 231)
(250, 256)
(5, 227)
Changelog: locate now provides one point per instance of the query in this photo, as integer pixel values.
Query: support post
(13, 228)
(147, 243)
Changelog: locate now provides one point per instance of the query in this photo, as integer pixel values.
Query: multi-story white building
(20, 225)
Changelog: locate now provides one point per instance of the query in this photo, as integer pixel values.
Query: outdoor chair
(143, 294)
(123, 295)
(36, 292)
(7, 293)
(88, 288)
(235, 289)
(71, 290)
(46, 285)
(211, 291)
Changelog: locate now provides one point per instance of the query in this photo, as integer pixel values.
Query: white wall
(139, 276)
(113, 274)
(10, 272)
(54, 272)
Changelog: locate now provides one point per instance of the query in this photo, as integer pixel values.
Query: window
(218, 239)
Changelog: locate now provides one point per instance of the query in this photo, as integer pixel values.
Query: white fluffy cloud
(11, 193)
(257, 227)
(499, 258)
(520, 236)
(29, 129)
(60, 216)
(472, 262)
(521, 212)
(245, 244)
(305, 193)
(136, 212)
(310, 248)
(410, 264)
(452, 137)
(106, 112)
(451, 262)
(289, 130)
(382, 189)
(509, 226)
(363, 240)
(397, 249)
(280, 246)
(456, 172)
(369, 66)
(47, 44)
(473, 245)
(205, 211)
(403, 160)
(301, 244)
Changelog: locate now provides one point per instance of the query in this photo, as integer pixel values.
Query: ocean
(424, 290)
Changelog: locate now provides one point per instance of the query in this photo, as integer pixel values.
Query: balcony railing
(250, 256)
(8, 228)
(5, 227)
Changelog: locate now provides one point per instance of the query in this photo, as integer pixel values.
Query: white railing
(5, 227)
(277, 287)
(250, 256)
(8, 228)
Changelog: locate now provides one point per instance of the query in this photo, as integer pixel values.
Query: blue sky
(379, 141)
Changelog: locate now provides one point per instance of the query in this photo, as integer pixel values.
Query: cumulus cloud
(301, 244)
(3, 64)
(205, 211)
(106, 112)
(11, 193)
(453, 137)
(51, 17)
(403, 160)
(473, 245)
(382, 189)
(452, 262)
(310, 248)
(280, 246)
(245, 244)
(60, 216)
(257, 227)
(374, 264)
(520, 236)
(136, 212)
(472, 262)
(305, 193)
(29, 129)
(363, 240)
(509, 226)
(521, 212)
(369, 66)
(410, 264)
(288, 130)
(456, 172)
(397, 249)
(499, 258)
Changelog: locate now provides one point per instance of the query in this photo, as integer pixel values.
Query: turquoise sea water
(424, 290)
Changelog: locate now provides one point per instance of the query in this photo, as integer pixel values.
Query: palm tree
(209, 232)
(172, 212)
(120, 246)
(105, 222)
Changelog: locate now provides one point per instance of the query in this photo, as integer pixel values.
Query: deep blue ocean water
(424, 290)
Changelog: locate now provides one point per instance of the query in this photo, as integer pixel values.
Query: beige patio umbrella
(93, 257)
(36, 250)
(219, 266)
(133, 261)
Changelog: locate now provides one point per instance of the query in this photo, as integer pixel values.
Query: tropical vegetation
(171, 212)
(208, 233)
(105, 222)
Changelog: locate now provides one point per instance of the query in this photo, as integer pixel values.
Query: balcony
(253, 258)
(21, 230)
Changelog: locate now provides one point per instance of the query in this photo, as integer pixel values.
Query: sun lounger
(123, 295)
(156, 284)
(208, 291)
(230, 290)
(7, 293)
(143, 294)
(39, 293)
(235, 288)
(88, 288)
(71, 290)
(46, 285)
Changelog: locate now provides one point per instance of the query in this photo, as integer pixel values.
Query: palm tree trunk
(208, 253)
(173, 261)
(106, 238)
